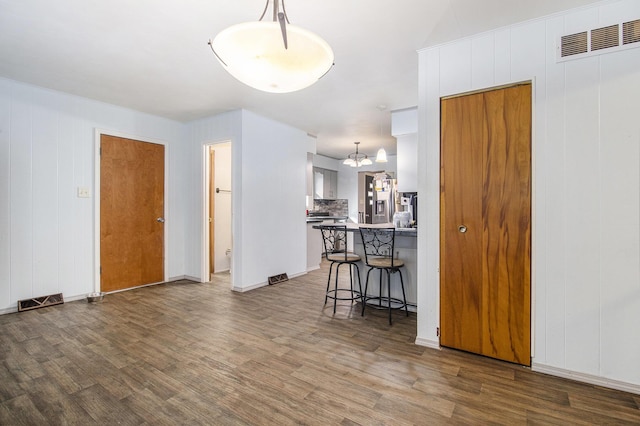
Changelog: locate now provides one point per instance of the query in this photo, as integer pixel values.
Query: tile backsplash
(334, 207)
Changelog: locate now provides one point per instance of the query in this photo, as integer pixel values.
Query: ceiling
(152, 56)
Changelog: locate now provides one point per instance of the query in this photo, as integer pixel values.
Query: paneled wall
(274, 238)
(47, 144)
(586, 189)
(47, 151)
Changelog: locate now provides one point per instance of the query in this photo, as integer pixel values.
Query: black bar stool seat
(379, 247)
(337, 252)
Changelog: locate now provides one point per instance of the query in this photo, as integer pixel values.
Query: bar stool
(379, 244)
(336, 252)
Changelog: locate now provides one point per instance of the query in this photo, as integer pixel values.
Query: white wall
(273, 197)
(586, 188)
(46, 153)
(268, 196)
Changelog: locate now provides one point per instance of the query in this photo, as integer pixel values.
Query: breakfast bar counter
(405, 248)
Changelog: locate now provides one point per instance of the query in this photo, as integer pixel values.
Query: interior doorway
(212, 209)
(218, 200)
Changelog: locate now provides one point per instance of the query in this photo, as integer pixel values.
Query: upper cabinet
(404, 127)
(325, 184)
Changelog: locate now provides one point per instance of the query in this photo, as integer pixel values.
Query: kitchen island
(405, 249)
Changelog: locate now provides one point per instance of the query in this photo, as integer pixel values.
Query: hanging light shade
(355, 159)
(274, 57)
(381, 157)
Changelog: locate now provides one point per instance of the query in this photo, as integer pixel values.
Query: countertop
(353, 227)
(320, 219)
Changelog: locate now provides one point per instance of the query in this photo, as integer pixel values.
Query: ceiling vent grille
(600, 40)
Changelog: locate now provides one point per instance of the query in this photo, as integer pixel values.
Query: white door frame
(206, 168)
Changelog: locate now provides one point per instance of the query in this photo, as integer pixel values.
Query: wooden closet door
(485, 259)
(463, 132)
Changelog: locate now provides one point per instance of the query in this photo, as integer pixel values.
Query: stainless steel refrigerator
(376, 198)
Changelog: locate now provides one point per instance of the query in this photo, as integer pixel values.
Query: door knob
(462, 229)
(160, 219)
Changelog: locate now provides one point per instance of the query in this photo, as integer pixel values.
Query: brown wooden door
(131, 213)
(485, 226)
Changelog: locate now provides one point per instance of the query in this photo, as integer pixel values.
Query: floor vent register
(40, 302)
(278, 279)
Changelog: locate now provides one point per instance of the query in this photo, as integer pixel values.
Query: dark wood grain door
(131, 213)
(485, 256)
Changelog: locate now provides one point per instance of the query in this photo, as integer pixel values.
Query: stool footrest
(333, 294)
(383, 302)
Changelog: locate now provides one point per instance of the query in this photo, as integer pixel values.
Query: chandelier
(355, 159)
(275, 56)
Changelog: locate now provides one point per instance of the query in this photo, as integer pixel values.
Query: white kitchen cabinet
(407, 148)
(404, 127)
(325, 183)
(330, 184)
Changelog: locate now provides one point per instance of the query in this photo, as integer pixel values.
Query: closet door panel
(506, 215)
(463, 134)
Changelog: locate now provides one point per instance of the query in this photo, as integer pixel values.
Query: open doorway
(218, 197)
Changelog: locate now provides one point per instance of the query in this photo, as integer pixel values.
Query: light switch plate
(83, 192)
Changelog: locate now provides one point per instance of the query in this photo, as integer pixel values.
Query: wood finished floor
(191, 353)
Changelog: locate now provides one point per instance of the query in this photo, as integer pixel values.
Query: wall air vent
(631, 32)
(598, 41)
(605, 38)
(574, 44)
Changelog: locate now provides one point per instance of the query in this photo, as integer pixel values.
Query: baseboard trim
(433, 344)
(9, 310)
(251, 287)
(313, 268)
(74, 298)
(183, 277)
(263, 284)
(586, 378)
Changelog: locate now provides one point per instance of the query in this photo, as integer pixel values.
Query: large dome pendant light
(275, 56)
